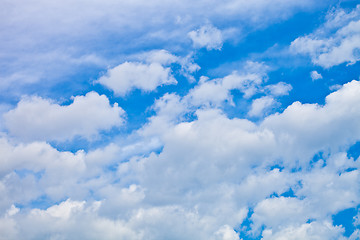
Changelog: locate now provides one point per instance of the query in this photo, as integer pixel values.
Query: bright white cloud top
(207, 120)
(40, 119)
(128, 76)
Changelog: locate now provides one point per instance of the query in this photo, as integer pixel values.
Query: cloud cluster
(210, 173)
(62, 37)
(327, 48)
(215, 160)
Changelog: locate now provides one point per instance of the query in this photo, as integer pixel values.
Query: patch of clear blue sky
(346, 219)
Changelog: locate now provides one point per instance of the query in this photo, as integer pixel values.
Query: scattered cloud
(315, 75)
(213, 92)
(207, 36)
(135, 75)
(147, 71)
(335, 87)
(334, 43)
(279, 89)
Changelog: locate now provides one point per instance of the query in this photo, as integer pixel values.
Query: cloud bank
(188, 120)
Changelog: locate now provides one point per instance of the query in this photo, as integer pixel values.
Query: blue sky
(232, 120)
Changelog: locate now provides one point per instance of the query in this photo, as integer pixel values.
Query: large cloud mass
(210, 172)
(217, 142)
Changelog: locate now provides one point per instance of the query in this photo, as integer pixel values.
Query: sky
(165, 120)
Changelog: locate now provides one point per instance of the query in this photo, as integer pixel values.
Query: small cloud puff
(279, 89)
(207, 36)
(136, 75)
(315, 75)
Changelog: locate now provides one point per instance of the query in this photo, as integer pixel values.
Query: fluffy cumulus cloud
(239, 147)
(311, 127)
(35, 118)
(207, 36)
(134, 75)
(336, 42)
(147, 71)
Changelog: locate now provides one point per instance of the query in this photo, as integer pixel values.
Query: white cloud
(211, 158)
(82, 221)
(305, 129)
(29, 171)
(311, 231)
(135, 75)
(227, 233)
(327, 48)
(279, 89)
(70, 219)
(335, 87)
(315, 75)
(12, 211)
(8, 228)
(214, 92)
(356, 219)
(63, 211)
(260, 106)
(261, 184)
(169, 110)
(277, 213)
(165, 58)
(322, 192)
(207, 36)
(209, 92)
(147, 71)
(327, 189)
(201, 168)
(298, 141)
(162, 57)
(35, 118)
